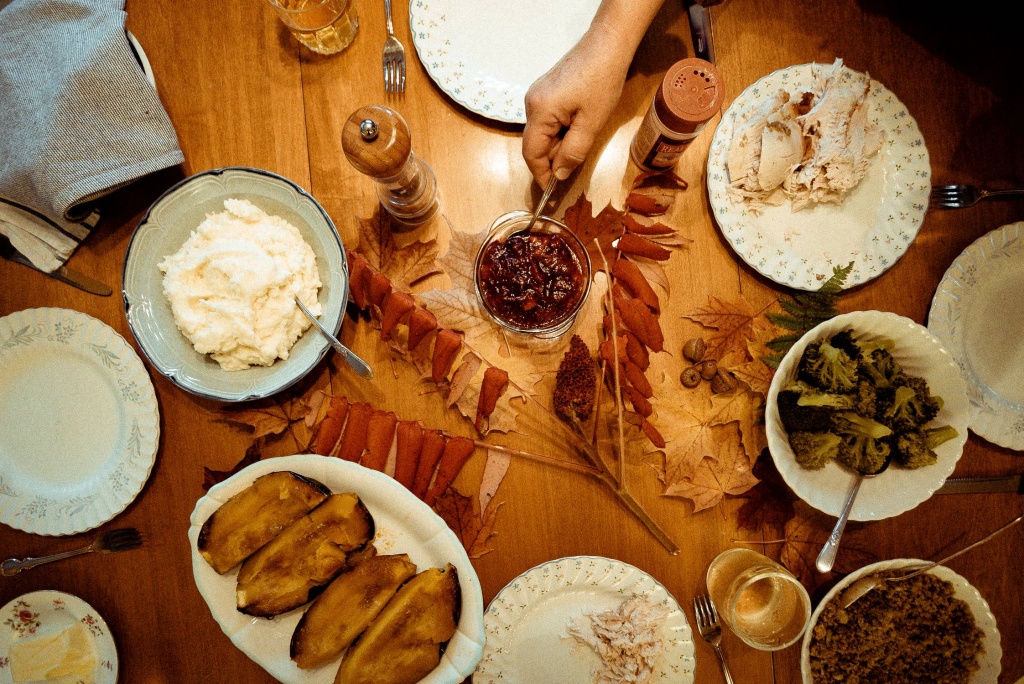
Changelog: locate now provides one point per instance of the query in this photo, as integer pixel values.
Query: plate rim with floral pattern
(21, 616)
(990, 665)
(36, 507)
(993, 416)
(532, 588)
(761, 240)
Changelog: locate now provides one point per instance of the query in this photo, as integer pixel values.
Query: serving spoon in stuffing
(827, 557)
(867, 584)
(358, 365)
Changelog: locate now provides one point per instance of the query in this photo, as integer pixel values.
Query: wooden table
(240, 91)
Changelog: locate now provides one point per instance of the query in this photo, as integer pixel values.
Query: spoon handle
(827, 557)
(357, 364)
(540, 205)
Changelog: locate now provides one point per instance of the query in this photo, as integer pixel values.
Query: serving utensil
(710, 629)
(111, 541)
(827, 557)
(394, 57)
(545, 196)
(357, 364)
(960, 196)
(867, 584)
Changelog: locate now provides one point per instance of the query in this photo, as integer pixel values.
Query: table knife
(63, 274)
(699, 12)
(975, 485)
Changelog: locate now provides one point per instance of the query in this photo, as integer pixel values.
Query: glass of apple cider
(324, 26)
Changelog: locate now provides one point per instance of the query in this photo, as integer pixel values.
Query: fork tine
(401, 87)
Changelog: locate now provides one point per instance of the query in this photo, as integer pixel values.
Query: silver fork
(710, 629)
(109, 542)
(394, 57)
(960, 196)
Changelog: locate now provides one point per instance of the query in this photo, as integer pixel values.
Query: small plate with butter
(52, 635)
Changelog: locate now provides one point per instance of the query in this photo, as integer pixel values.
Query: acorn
(708, 369)
(723, 382)
(690, 377)
(695, 349)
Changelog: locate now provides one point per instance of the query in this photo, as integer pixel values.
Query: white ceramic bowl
(403, 523)
(896, 490)
(987, 673)
(166, 227)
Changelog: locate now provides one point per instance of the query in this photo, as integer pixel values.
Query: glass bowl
(536, 283)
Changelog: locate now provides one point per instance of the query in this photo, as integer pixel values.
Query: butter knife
(63, 274)
(699, 12)
(976, 485)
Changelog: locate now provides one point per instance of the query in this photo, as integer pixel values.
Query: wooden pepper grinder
(377, 142)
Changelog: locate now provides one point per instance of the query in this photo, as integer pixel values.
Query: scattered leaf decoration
(212, 477)
(268, 417)
(803, 312)
(732, 322)
(807, 532)
(403, 266)
(606, 227)
(494, 473)
(769, 504)
(715, 476)
(462, 514)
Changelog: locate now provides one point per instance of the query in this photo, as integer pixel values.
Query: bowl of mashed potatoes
(210, 280)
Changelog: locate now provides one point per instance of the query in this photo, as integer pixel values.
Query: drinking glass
(324, 26)
(759, 600)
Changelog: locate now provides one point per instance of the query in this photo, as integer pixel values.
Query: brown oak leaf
(727, 472)
(770, 502)
(606, 227)
(462, 514)
(404, 266)
(269, 417)
(212, 477)
(807, 532)
(733, 323)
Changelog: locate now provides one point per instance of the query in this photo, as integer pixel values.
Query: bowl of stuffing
(859, 390)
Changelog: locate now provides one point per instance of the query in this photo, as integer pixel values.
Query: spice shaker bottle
(690, 94)
(377, 142)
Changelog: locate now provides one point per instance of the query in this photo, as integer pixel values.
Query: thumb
(573, 149)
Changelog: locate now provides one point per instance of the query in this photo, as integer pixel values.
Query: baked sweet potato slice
(403, 644)
(305, 556)
(347, 606)
(255, 515)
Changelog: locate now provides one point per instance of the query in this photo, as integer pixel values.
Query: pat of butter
(55, 655)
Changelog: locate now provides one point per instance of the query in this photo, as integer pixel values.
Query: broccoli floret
(807, 409)
(938, 435)
(827, 367)
(880, 368)
(867, 399)
(912, 450)
(845, 341)
(814, 449)
(865, 446)
(868, 347)
(908, 406)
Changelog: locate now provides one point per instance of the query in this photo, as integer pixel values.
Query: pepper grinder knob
(377, 142)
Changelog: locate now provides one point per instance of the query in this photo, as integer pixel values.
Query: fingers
(538, 145)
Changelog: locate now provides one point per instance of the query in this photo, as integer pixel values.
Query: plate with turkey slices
(313, 565)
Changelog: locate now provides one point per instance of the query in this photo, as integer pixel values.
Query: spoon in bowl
(827, 557)
(358, 365)
(866, 584)
(540, 206)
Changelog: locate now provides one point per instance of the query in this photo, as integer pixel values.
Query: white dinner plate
(989, 661)
(486, 54)
(873, 226)
(526, 623)
(404, 524)
(30, 613)
(897, 490)
(80, 422)
(166, 227)
(978, 313)
(140, 55)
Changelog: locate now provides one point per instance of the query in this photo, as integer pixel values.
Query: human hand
(568, 106)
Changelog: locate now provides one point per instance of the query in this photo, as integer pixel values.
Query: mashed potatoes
(232, 286)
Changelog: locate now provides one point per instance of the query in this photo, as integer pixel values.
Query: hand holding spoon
(827, 557)
(357, 363)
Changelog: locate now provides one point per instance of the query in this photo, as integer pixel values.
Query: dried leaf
(732, 321)
(653, 271)
(404, 266)
(461, 377)
(494, 472)
(462, 514)
(665, 178)
(606, 227)
(770, 503)
(269, 417)
(807, 532)
(649, 204)
(212, 477)
(715, 476)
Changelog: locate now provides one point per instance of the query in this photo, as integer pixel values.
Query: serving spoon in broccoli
(827, 557)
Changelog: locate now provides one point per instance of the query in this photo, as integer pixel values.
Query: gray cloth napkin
(78, 119)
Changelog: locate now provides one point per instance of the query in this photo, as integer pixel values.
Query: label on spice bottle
(657, 147)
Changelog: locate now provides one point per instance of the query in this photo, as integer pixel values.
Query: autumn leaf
(494, 473)
(463, 374)
(462, 514)
(212, 477)
(728, 472)
(269, 417)
(770, 503)
(807, 532)
(666, 179)
(606, 227)
(733, 323)
(404, 266)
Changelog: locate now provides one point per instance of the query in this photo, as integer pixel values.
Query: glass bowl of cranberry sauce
(533, 283)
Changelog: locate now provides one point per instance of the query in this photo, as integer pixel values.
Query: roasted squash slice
(305, 556)
(347, 606)
(255, 515)
(403, 644)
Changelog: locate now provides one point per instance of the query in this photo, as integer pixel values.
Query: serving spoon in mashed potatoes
(862, 586)
(358, 365)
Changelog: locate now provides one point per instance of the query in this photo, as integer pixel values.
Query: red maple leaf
(606, 227)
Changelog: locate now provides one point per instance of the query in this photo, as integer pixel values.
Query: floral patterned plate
(978, 314)
(526, 623)
(30, 613)
(873, 226)
(486, 54)
(81, 423)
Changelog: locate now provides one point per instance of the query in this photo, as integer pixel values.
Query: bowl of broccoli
(858, 390)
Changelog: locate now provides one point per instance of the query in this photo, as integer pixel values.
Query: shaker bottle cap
(691, 93)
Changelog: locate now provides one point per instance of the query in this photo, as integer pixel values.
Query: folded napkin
(78, 119)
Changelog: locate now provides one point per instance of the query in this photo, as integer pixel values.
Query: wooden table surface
(240, 91)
